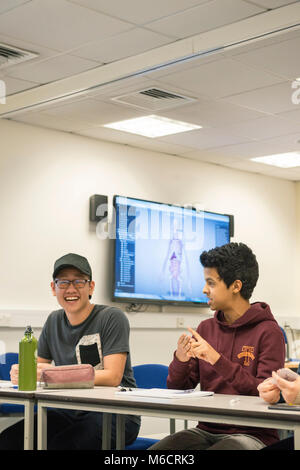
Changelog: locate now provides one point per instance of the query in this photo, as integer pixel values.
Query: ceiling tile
(72, 27)
(120, 87)
(266, 58)
(221, 78)
(210, 113)
(205, 17)
(137, 11)
(264, 41)
(126, 138)
(290, 141)
(246, 165)
(272, 99)
(52, 69)
(293, 115)
(273, 3)
(164, 147)
(15, 85)
(264, 128)
(244, 101)
(210, 156)
(42, 52)
(287, 143)
(204, 138)
(185, 64)
(291, 174)
(103, 133)
(40, 119)
(7, 5)
(92, 112)
(123, 45)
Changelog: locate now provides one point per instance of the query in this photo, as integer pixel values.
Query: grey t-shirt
(104, 332)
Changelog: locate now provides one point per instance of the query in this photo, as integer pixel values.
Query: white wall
(46, 179)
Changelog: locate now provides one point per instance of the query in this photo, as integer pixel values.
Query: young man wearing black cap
(84, 333)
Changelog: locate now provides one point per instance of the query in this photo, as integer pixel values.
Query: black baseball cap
(74, 261)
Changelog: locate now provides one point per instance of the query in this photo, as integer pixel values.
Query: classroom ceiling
(234, 62)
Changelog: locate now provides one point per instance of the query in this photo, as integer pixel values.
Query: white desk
(16, 397)
(248, 411)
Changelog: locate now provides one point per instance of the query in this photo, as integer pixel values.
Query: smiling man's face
(72, 299)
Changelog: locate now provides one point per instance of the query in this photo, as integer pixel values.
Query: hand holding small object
(289, 387)
(285, 381)
(286, 374)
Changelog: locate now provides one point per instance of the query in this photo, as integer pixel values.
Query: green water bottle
(27, 361)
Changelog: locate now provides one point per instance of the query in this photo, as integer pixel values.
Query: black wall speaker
(98, 207)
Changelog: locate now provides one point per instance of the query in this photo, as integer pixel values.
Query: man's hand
(183, 352)
(14, 371)
(14, 374)
(202, 349)
(288, 389)
(269, 391)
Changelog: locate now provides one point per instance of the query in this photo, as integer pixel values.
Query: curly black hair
(233, 261)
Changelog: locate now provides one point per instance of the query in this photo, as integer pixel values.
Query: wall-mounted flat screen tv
(157, 248)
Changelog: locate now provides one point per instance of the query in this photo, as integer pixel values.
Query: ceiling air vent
(153, 99)
(10, 55)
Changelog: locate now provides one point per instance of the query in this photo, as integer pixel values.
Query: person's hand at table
(269, 391)
(201, 349)
(14, 372)
(289, 390)
(183, 352)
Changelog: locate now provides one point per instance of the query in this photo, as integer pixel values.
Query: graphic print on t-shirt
(247, 354)
(89, 351)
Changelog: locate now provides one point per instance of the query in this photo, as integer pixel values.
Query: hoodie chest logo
(247, 354)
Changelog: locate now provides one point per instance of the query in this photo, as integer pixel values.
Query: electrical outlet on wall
(179, 322)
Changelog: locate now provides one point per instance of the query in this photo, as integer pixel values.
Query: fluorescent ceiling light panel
(152, 126)
(283, 160)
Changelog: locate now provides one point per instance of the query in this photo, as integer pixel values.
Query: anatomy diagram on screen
(176, 266)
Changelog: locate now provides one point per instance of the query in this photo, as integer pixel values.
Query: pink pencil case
(73, 376)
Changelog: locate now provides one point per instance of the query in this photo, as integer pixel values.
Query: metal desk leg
(297, 438)
(106, 431)
(28, 425)
(42, 428)
(120, 437)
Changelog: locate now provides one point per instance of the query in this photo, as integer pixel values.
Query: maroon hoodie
(250, 348)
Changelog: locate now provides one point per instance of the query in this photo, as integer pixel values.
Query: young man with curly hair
(230, 353)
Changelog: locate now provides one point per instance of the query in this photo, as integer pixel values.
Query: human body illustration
(176, 265)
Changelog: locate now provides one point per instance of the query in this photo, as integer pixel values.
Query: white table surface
(219, 408)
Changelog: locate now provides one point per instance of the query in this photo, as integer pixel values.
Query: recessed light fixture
(282, 160)
(152, 126)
